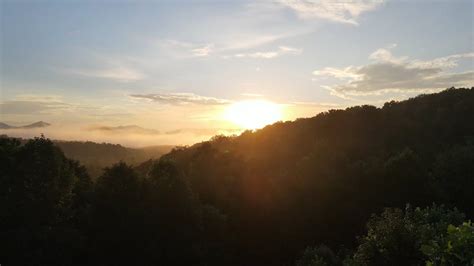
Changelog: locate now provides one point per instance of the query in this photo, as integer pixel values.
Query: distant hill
(37, 124)
(96, 156)
(33, 125)
(4, 126)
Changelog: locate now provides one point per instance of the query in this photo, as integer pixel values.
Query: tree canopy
(328, 190)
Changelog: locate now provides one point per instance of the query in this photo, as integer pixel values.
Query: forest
(389, 185)
(95, 157)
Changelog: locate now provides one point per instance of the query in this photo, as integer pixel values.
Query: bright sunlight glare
(253, 114)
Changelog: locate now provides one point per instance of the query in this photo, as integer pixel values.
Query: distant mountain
(134, 129)
(96, 156)
(4, 126)
(33, 125)
(37, 124)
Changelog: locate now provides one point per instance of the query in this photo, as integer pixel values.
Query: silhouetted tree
(396, 237)
(39, 185)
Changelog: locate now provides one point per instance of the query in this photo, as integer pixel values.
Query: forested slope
(96, 156)
(291, 193)
(317, 180)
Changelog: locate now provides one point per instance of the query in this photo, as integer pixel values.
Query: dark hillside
(362, 186)
(319, 179)
(96, 156)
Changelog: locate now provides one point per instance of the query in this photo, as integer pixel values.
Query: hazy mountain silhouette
(133, 129)
(38, 124)
(4, 126)
(96, 156)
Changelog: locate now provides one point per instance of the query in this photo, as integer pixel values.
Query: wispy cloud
(34, 104)
(184, 49)
(203, 131)
(246, 42)
(282, 50)
(316, 104)
(203, 51)
(28, 107)
(55, 105)
(252, 95)
(345, 11)
(181, 98)
(232, 45)
(118, 73)
(127, 129)
(119, 68)
(391, 73)
(137, 130)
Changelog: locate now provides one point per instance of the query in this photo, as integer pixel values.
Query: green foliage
(40, 187)
(314, 260)
(399, 237)
(454, 173)
(157, 216)
(317, 256)
(454, 248)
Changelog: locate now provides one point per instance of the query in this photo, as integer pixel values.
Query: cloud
(232, 44)
(54, 105)
(346, 11)
(282, 50)
(119, 68)
(127, 129)
(117, 73)
(22, 107)
(252, 95)
(34, 104)
(203, 131)
(203, 51)
(137, 130)
(187, 49)
(251, 41)
(39, 98)
(181, 98)
(315, 104)
(388, 73)
(344, 73)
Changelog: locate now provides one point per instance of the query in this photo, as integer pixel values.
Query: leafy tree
(396, 237)
(454, 248)
(454, 175)
(318, 256)
(175, 214)
(39, 186)
(117, 217)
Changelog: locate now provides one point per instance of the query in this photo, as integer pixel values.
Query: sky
(145, 73)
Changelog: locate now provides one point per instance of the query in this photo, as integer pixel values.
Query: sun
(253, 114)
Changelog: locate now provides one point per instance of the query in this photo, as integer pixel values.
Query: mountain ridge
(336, 168)
(38, 124)
(96, 156)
